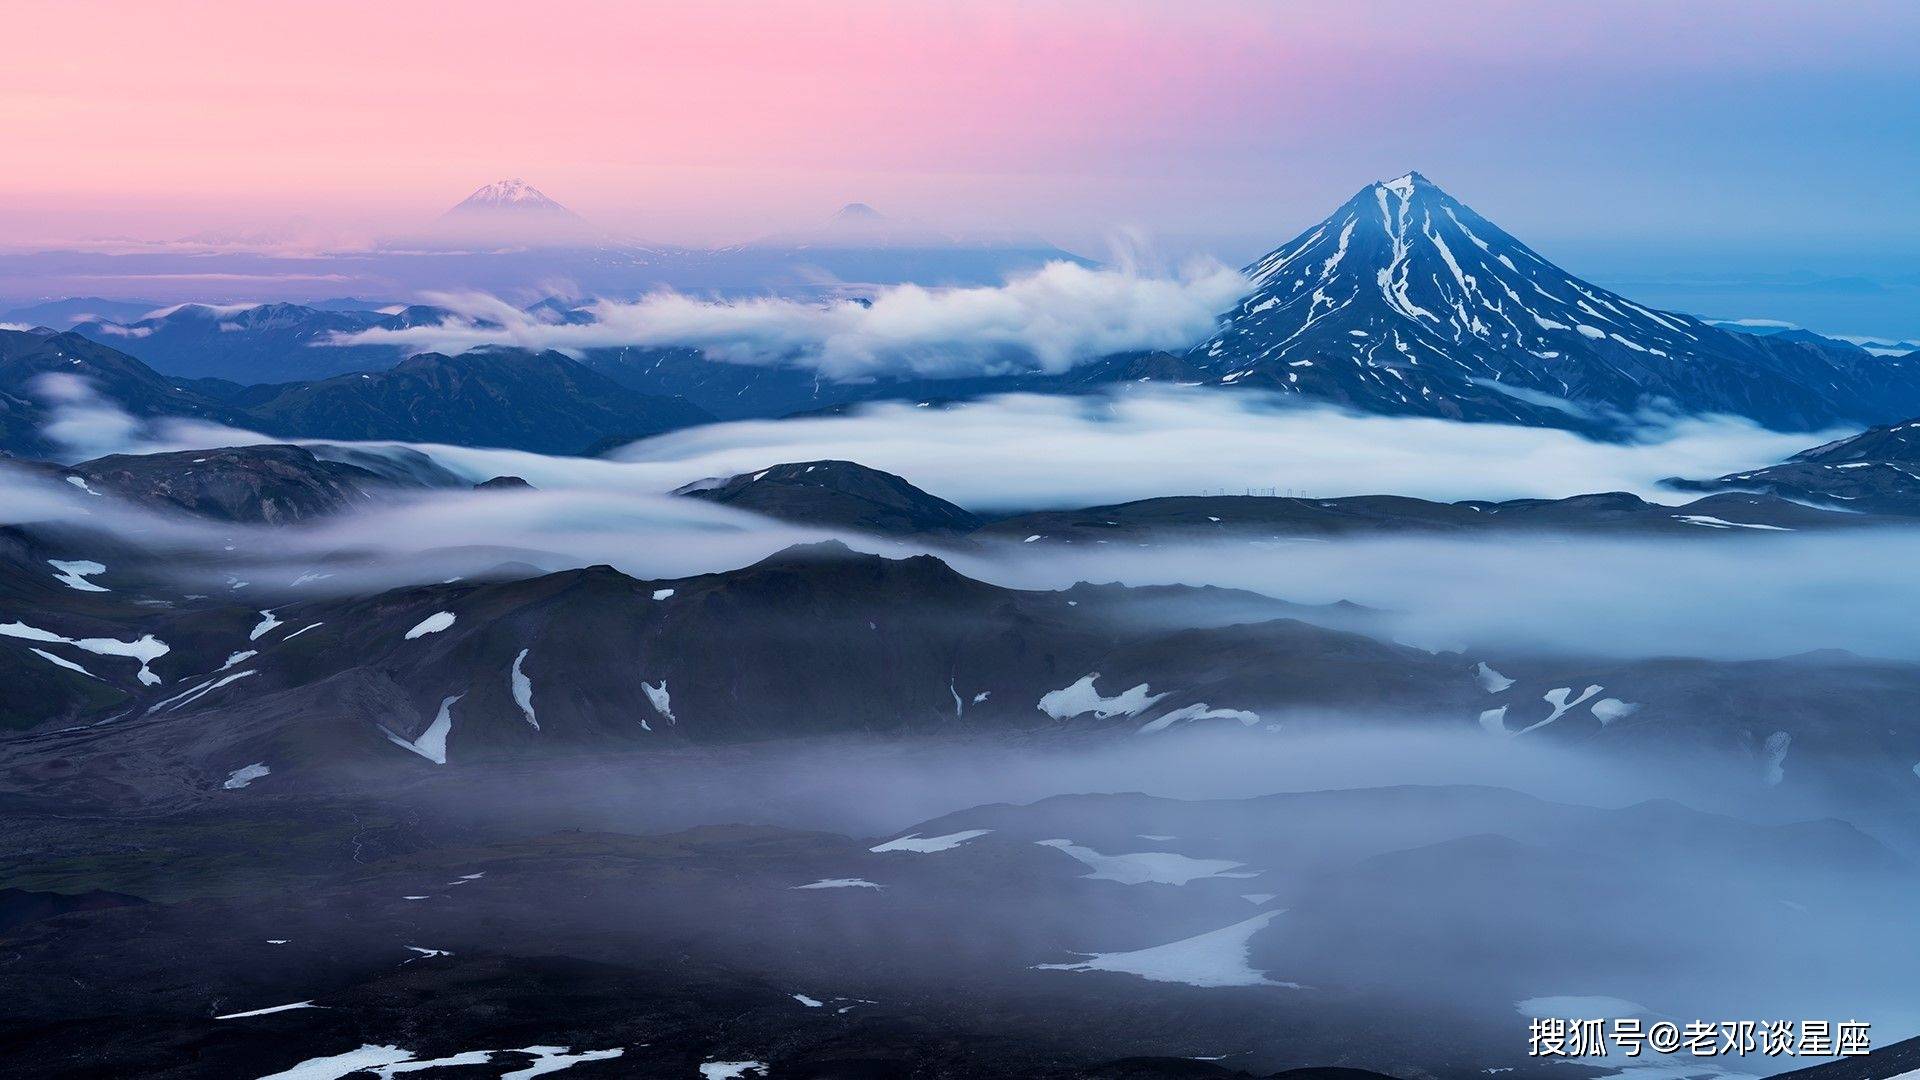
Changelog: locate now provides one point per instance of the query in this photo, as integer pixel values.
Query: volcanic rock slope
(1876, 472)
(1406, 301)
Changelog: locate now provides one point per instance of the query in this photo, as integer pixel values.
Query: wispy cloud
(1049, 320)
(1032, 450)
(83, 423)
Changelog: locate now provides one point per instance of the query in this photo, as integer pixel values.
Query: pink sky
(718, 121)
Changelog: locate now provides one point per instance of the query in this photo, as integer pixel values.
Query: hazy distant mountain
(514, 212)
(1405, 300)
(508, 237)
(65, 313)
(1876, 346)
(512, 196)
(249, 343)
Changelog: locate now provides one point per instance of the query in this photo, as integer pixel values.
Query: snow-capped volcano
(1406, 300)
(515, 193)
(514, 212)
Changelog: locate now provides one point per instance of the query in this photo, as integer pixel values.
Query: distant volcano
(513, 212)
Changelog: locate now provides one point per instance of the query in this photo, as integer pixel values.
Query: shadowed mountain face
(1406, 301)
(41, 372)
(837, 494)
(543, 402)
(1876, 472)
(1894, 442)
(848, 496)
(739, 391)
(1243, 517)
(22, 906)
(821, 641)
(248, 344)
(511, 398)
(269, 344)
(268, 485)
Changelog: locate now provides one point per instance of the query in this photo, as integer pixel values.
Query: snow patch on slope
(523, 689)
(245, 775)
(1215, 958)
(75, 572)
(432, 743)
(923, 845)
(1145, 867)
(432, 624)
(146, 648)
(1081, 698)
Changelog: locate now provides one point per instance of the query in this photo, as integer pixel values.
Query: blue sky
(1769, 147)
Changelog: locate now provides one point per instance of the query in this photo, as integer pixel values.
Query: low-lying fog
(1461, 892)
(1025, 451)
(876, 787)
(1769, 908)
(1714, 596)
(1623, 598)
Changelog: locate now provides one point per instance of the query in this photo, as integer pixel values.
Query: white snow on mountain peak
(1403, 184)
(513, 192)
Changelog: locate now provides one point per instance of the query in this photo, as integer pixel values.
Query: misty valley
(1329, 669)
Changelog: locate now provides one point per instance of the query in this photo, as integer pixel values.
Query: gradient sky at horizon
(1627, 138)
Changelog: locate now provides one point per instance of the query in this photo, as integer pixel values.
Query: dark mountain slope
(513, 398)
(813, 640)
(1238, 517)
(1874, 472)
(737, 391)
(269, 485)
(837, 494)
(26, 405)
(263, 343)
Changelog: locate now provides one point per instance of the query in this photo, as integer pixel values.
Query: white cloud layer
(1029, 451)
(83, 424)
(1033, 450)
(1688, 596)
(1051, 319)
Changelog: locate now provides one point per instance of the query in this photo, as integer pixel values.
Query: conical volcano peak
(1404, 184)
(858, 211)
(1408, 300)
(1413, 189)
(515, 193)
(514, 212)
